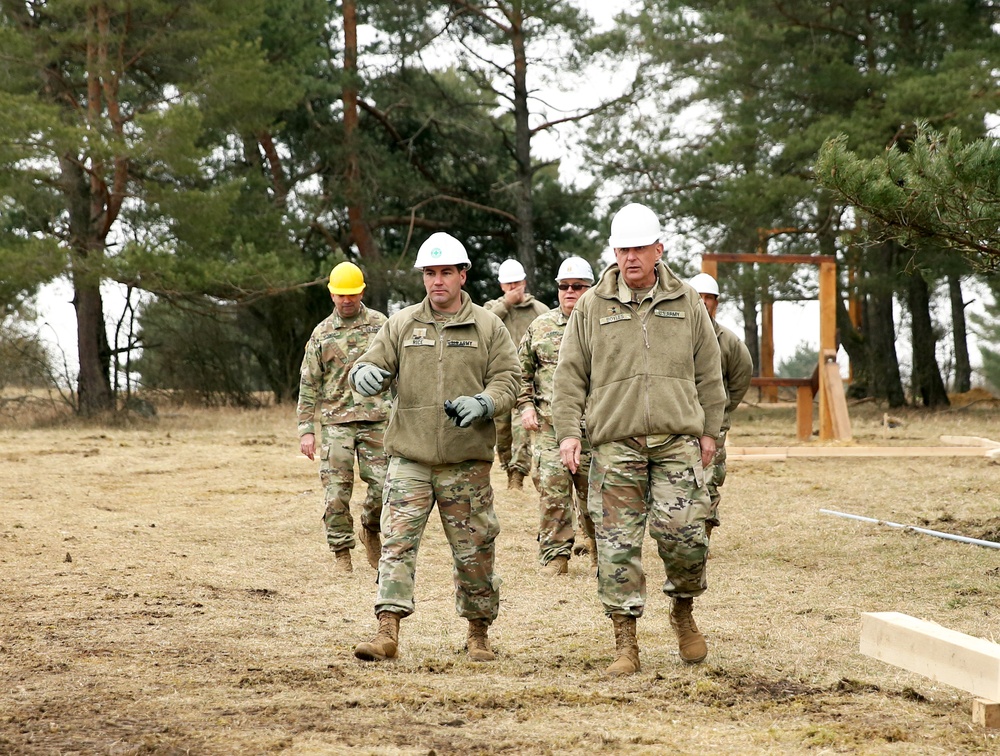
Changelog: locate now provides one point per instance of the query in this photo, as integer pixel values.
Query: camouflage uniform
(737, 370)
(539, 353)
(649, 375)
(633, 484)
(351, 425)
(434, 359)
(513, 441)
(465, 504)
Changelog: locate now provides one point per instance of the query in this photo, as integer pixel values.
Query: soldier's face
(443, 284)
(711, 303)
(638, 264)
(347, 305)
(570, 291)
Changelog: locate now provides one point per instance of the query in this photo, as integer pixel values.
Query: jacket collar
(464, 315)
(668, 286)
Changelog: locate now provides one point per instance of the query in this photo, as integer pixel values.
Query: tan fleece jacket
(633, 374)
(519, 317)
(737, 370)
(470, 354)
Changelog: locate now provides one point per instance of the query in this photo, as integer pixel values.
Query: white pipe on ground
(925, 531)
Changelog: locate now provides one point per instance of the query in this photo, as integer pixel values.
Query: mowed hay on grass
(167, 589)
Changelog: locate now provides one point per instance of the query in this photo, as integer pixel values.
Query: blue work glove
(367, 378)
(465, 409)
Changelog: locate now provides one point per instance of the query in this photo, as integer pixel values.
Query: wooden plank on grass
(963, 661)
(833, 388)
(986, 443)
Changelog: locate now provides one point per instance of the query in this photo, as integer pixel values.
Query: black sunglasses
(574, 287)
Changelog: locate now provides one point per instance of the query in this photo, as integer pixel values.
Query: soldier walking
(641, 356)
(539, 353)
(737, 370)
(455, 369)
(517, 309)
(351, 425)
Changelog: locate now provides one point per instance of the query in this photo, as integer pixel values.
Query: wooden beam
(836, 402)
(802, 452)
(962, 661)
(804, 412)
(710, 266)
(827, 343)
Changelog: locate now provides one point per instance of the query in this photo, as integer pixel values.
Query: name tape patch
(462, 343)
(669, 314)
(615, 318)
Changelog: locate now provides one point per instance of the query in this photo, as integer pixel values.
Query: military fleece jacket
(469, 354)
(637, 374)
(519, 317)
(737, 370)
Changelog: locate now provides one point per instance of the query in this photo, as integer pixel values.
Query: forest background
(215, 160)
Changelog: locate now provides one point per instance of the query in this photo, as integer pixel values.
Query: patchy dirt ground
(166, 590)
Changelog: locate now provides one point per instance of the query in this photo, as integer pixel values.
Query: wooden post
(804, 412)
(768, 393)
(986, 713)
(711, 267)
(827, 340)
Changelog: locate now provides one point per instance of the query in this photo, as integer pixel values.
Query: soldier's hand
(516, 295)
(465, 409)
(307, 445)
(569, 451)
(707, 450)
(367, 379)
(529, 418)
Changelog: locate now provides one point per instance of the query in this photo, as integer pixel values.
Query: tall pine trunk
(927, 383)
(522, 154)
(880, 336)
(963, 368)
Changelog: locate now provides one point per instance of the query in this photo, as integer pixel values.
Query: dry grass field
(166, 589)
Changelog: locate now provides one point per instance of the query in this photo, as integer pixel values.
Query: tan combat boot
(373, 545)
(478, 642)
(626, 647)
(384, 644)
(343, 560)
(558, 566)
(515, 480)
(689, 640)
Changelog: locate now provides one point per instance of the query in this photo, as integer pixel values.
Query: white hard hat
(575, 267)
(442, 249)
(634, 225)
(511, 271)
(705, 284)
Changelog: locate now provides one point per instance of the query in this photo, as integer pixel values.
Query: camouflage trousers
(556, 486)
(715, 476)
(341, 444)
(464, 498)
(513, 443)
(631, 484)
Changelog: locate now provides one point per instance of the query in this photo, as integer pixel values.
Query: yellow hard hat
(346, 278)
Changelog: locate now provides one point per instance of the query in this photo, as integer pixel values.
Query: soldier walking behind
(455, 369)
(516, 308)
(737, 370)
(641, 356)
(539, 353)
(351, 425)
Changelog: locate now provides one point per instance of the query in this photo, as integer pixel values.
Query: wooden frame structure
(834, 421)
